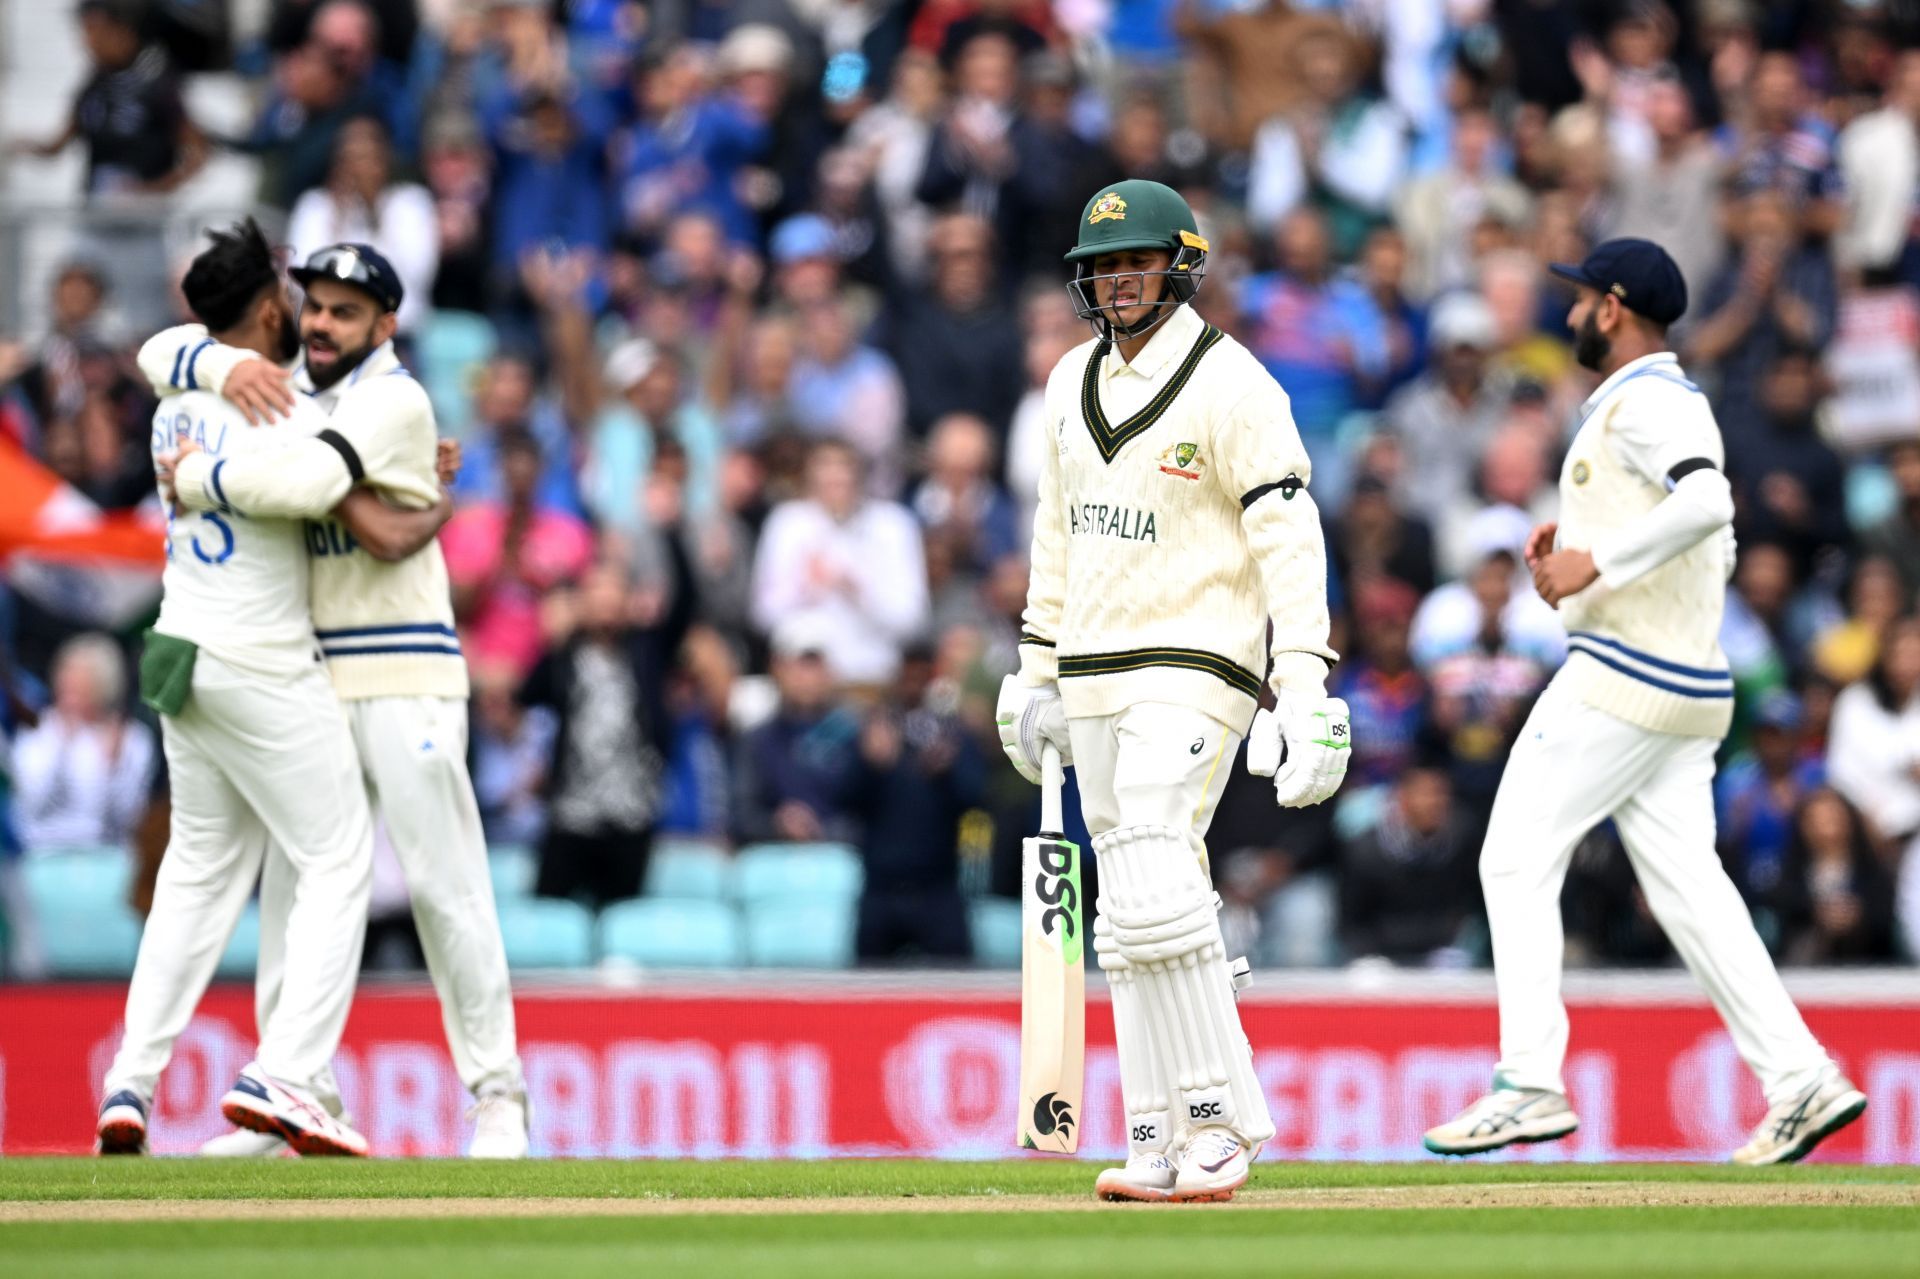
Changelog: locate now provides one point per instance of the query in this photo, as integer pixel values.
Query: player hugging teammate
(1174, 523)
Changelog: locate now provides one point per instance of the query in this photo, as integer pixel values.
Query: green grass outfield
(852, 1219)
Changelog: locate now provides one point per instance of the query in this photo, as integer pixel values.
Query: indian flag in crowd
(59, 549)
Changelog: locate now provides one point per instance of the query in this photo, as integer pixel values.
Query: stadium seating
(672, 932)
(79, 879)
(800, 933)
(453, 345)
(995, 923)
(542, 932)
(688, 868)
(79, 901)
(514, 868)
(784, 872)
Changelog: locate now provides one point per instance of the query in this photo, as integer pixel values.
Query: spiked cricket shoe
(265, 1105)
(1147, 1178)
(1214, 1164)
(122, 1129)
(499, 1127)
(1501, 1118)
(243, 1143)
(1794, 1127)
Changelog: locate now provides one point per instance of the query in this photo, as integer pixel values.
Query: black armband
(1287, 487)
(1679, 470)
(355, 470)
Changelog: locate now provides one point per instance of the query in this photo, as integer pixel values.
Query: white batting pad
(1144, 1085)
(1166, 927)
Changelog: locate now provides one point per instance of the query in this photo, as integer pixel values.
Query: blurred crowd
(741, 311)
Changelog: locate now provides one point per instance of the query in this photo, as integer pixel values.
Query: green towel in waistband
(166, 671)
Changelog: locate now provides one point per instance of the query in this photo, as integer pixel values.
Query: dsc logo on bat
(1054, 885)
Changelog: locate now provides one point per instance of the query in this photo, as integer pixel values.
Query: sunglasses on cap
(347, 264)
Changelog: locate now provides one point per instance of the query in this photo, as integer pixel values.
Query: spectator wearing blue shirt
(509, 403)
(550, 182)
(1757, 794)
(688, 151)
(791, 773)
(917, 773)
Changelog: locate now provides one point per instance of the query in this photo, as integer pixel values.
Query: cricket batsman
(1174, 524)
(1629, 727)
(386, 630)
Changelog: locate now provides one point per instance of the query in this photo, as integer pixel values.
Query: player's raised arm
(187, 358)
(1304, 742)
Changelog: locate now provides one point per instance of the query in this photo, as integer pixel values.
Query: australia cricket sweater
(386, 630)
(1173, 523)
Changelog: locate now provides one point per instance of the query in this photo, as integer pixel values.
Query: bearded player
(1629, 727)
(1174, 524)
(386, 630)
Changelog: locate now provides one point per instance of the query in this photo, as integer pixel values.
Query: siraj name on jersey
(1100, 520)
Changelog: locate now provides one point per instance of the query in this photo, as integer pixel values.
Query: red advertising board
(929, 1068)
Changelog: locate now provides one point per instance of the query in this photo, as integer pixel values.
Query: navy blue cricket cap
(360, 265)
(1637, 272)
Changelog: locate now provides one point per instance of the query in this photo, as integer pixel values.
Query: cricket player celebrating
(257, 748)
(1173, 503)
(1628, 728)
(386, 630)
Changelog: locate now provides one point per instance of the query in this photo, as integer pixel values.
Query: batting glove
(1303, 745)
(1028, 716)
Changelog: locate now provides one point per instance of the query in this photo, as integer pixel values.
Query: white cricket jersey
(234, 585)
(1174, 524)
(1647, 651)
(386, 630)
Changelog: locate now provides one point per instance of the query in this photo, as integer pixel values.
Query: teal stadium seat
(688, 868)
(451, 350)
(514, 868)
(784, 872)
(242, 958)
(79, 901)
(800, 933)
(672, 932)
(995, 924)
(544, 932)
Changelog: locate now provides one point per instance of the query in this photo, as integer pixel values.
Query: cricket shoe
(265, 1105)
(122, 1129)
(1794, 1127)
(1147, 1179)
(499, 1126)
(243, 1143)
(1501, 1118)
(1213, 1166)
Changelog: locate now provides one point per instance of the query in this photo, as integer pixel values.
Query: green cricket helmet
(1137, 214)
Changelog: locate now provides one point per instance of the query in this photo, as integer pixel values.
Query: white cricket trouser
(1573, 767)
(414, 753)
(251, 760)
(1153, 764)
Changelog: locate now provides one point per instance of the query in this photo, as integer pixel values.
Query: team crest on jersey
(1108, 208)
(1184, 461)
(1580, 473)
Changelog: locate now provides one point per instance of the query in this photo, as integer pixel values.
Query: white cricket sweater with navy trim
(1174, 523)
(386, 630)
(1647, 651)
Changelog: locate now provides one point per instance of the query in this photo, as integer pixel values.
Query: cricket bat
(1053, 982)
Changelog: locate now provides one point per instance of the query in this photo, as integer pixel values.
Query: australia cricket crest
(1183, 461)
